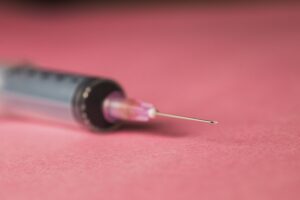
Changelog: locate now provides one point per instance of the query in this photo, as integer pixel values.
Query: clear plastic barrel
(39, 94)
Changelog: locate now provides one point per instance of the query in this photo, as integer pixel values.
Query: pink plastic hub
(117, 107)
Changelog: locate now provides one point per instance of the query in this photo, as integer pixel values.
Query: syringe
(96, 103)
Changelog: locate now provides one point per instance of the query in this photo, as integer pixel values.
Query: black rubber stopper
(88, 103)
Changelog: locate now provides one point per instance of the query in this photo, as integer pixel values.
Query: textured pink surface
(239, 66)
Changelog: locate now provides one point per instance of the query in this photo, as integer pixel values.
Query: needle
(133, 110)
(185, 118)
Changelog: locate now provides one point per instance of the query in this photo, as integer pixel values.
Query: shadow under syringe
(154, 128)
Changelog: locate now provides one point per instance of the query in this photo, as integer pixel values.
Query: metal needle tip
(185, 118)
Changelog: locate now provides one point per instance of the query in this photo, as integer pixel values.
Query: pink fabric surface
(237, 65)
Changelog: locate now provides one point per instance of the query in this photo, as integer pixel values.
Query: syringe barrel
(59, 97)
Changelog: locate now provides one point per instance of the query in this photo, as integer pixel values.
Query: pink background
(237, 65)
